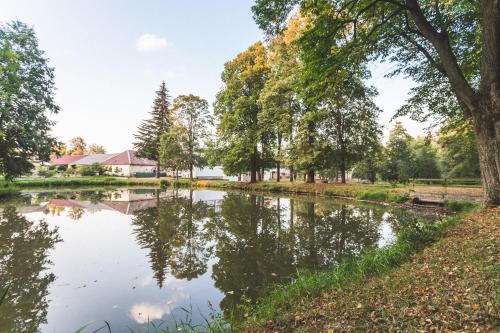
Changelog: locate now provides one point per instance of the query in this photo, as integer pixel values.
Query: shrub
(92, 170)
(42, 172)
(459, 206)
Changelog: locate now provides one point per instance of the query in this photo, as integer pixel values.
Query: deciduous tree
(77, 146)
(27, 92)
(96, 149)
(450, 48)
(238, 111)
(192, 113)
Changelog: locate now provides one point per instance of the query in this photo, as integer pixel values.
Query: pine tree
(150, 130)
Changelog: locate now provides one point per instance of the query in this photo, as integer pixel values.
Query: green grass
(459, 206)
(70, 182)
(283, 298)
(380, 193)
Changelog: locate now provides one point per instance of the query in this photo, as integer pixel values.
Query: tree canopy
(27, 90)
(451, 49)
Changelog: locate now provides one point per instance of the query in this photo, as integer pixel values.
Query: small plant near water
(214, 323)
(459, 206)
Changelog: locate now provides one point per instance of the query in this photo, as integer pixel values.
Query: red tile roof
(66, 160)
(128, 157)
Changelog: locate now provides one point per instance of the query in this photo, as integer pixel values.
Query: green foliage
(459, 150)
(192, 114)
(27, 92)
(398, 163)
(149, 132)
(426, 159)
(382, 196)
(460, 206)
(173, 148)
(238, 111)
(92, 170)
(371, 163)
(77, 181)
(45, 173)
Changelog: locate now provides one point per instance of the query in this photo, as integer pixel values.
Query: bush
(85, 171)
(459, 206)
(42, 172)
(92, 170)
(164, 183)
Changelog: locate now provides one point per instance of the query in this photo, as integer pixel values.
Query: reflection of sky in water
(103, 273)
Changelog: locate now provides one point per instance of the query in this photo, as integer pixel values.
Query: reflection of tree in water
(172, 233)
(24, 247)
(250, 255)
(259, 243)
(329, 232)
(75, 213)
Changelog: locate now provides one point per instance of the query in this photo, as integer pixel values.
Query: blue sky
(110, 57)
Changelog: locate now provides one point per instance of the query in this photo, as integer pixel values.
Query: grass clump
(459, 206)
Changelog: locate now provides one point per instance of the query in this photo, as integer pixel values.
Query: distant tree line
(450, 154)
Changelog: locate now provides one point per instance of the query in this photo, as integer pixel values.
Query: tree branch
(441, 43)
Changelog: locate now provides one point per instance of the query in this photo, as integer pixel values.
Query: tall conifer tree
(149, 132)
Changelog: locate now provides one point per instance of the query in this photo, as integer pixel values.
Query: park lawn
(452, 285)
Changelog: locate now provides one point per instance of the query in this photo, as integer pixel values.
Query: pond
(130, 256)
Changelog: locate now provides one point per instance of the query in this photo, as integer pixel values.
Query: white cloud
(150, 43)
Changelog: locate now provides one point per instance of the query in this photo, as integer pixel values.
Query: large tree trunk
(253, 166)
(342, 171)
(278, 164)
(487, 116)
(487, 130)
(310, 176)
(191, 172)
(310, 141)
(291, 173)
(484, 106)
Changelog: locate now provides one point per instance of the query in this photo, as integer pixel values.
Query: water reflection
(242, 242)
(24, 257)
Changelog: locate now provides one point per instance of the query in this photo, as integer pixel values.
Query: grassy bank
(451, 285)
(378, 192)
(369, 192)
(74, 182)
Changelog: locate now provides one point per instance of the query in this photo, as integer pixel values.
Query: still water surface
(129, 256)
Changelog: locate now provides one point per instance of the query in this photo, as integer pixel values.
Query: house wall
(130, 170)
(142, 168)
(120, 170)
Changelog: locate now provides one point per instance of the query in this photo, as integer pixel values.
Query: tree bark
(310, 139)
(158, 168)
(483, 105)
(342, 171)
(487, 130)
(310, 176)
(253, 166)
(191, 172)
(291, 173)
(278, 164)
